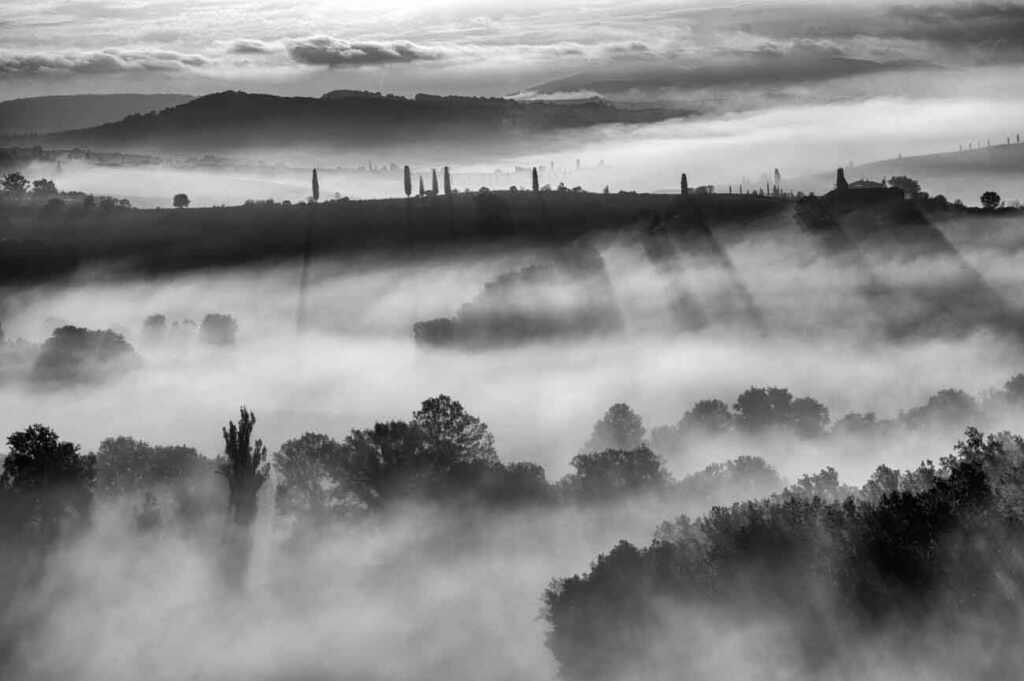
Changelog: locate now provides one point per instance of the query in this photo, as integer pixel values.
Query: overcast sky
(628, 49)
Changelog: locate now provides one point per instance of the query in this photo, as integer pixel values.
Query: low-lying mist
(738, 148)
(424, 592)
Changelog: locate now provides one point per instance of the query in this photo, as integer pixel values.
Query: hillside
(40, 115)
(342, 119)
(41, 242)
(956, 175)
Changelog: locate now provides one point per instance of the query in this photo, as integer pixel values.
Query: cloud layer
(110, 60)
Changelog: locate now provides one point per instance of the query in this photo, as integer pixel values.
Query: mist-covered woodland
(455, 341)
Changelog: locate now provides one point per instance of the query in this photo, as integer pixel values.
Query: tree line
(829, 569)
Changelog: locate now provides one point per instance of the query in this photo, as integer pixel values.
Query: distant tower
(447, 181)
(684, 187)
(536, 180)
(316, 187)
(433, 180)
(841, 180)
(408, 182)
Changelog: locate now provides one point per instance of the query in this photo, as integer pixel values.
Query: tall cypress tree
(841, 179)
(316, 187)
(684, 187)
(447, 181)
(408, 182)
(433, 181)
(536, 180)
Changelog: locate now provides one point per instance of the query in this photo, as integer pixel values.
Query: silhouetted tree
(154, 328)
(536, 180)
(44, 187)
(218, 329)
(990, 200)
(841, 182)
(601, 475)
(49, 483)
(447, 181)
(709, 416)
(684, 187)
(407, 176)
(181, 201)
(126, 466)
(306, 487)
(316, 186)
(910, 187)
(15, 183)
(433, 181)
(949, 406)
(1013, 389)
(620, 428)
(245, 467)
(759, 408)
(76, 355)
(451, 434)
(422, 190)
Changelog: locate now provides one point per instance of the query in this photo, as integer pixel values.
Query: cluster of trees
(214, 329)
(15, 184)
(434, 189)
(18, 185)
(823, 565)
(442, 455)
(759, 409)
(74, 354)
(515, 306)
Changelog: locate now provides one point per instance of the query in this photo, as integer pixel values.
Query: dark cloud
(956, 33)
(773, 64)
(97, 62)
(244, 46)
(328, 51)
(975, 25)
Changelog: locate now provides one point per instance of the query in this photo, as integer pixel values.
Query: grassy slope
(156, 241)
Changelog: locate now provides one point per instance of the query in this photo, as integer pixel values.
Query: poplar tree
(245, 467)
(408, 181)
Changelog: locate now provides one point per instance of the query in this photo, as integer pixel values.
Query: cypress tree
(841, 180)
(316, 187)
(447, 181)
(684, 187)
(408, 182)
(536, 180)
(433, 181)
(422, 191)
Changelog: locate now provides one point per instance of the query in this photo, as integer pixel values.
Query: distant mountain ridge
(53, 113)
(341, 118)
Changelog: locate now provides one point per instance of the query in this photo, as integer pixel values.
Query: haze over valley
(586, 342)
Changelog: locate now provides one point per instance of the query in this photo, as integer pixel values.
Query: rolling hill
(341, 119)
(40, 115)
